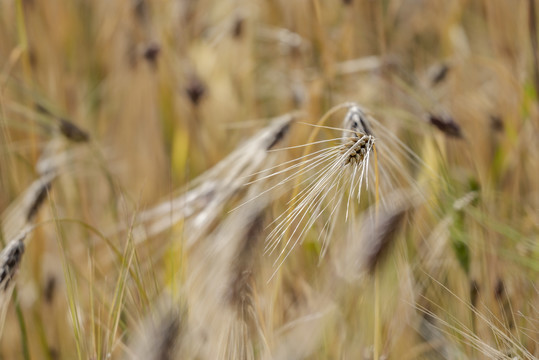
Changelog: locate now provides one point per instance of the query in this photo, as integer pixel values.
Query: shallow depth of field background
(167, 89)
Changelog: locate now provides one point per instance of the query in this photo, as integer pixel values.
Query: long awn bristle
(325, 179)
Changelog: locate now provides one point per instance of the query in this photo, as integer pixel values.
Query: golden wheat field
(269, 179)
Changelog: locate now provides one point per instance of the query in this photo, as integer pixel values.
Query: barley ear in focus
(327, 182)
(10, 259)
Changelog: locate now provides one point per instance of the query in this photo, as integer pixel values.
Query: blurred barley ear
(447, 125)
(140, 9)
(440, 74)
(161, 338)
(195, 90)
(380, 234)
(72, 132)
(431, 333)
(242, 267)
(41, 195)
(238, 28)
(474, 292)
(50, 289)
(66, 127)
(200, 206)
(22, 211)
(279, 135)
(151, 52)
(496, 123)
(10, 259)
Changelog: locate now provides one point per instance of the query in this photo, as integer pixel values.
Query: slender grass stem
(377, 335)
(25, 58)
(377, 328)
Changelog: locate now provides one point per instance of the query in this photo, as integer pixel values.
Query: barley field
(269, 179)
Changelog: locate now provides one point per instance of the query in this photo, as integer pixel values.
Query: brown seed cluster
(360, 145)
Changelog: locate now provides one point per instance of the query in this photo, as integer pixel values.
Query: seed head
(195, 90)
(10, 259)
(40, 197)
(447, 125)
(356, 122)
(355, 148)
(151, 51)
(72, 131)
(357, 138)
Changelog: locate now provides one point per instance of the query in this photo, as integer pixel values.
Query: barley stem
(377, 333)
(376, 315)
(26, 66)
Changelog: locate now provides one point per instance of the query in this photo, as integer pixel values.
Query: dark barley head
(10, 259)
(357, 140)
